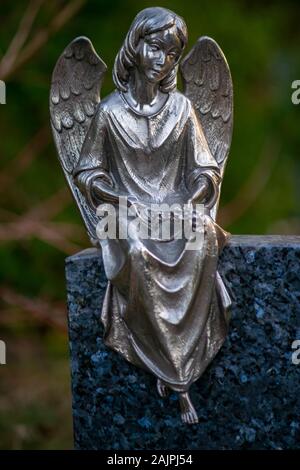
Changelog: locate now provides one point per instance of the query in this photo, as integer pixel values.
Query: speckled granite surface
(249, 398)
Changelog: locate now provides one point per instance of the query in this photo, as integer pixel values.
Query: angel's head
(153, 45)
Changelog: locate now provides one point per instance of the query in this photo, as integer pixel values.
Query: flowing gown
(166, 307)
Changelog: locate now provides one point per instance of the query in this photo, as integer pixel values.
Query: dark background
(40, 224)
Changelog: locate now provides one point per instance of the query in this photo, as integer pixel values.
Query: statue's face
(158, 53)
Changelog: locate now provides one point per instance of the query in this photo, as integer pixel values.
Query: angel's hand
(200, 190)
(102, 190)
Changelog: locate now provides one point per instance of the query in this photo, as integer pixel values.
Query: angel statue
(166, 308)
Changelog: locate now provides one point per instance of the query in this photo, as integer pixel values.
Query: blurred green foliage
(260, 192)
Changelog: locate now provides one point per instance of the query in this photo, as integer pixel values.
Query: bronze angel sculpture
(166, 308)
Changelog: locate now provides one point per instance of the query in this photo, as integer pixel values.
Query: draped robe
(166, 307)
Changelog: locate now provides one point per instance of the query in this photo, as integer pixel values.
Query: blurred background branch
(16, 56)
(45, 312)
(24, 158)
(252, 188)
(20, 37)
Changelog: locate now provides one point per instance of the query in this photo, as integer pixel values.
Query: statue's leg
(188, 412)
(161, 388)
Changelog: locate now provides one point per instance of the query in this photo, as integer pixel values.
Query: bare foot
(188, 412)
(161, 388)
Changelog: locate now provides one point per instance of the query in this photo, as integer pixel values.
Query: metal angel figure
(166, 307)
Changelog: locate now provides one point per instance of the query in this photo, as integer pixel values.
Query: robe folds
(166, 307)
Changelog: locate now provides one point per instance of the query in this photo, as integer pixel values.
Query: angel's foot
(161, 388)
(188, 412)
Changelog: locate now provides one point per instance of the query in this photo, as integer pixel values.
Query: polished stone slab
(249, 398)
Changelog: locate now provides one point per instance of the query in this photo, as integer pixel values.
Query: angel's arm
(202, 171)
(97, 187)
(92, 175)
(207, 83)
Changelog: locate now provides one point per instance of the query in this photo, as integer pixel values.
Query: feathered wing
(74, 96)
(207, 83)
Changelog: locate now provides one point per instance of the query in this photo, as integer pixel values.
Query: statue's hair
(148, 21)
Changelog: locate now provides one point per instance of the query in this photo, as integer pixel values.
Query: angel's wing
(207, 83)
(74, 96)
